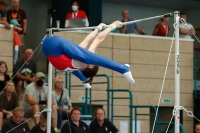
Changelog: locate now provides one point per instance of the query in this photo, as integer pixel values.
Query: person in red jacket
(162, 28)
(76, 13)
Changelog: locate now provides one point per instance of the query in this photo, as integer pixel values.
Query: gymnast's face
(87, 66)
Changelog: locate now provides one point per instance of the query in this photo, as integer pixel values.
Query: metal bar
(49, 110)
(120, 98)
(195, 78)
(146, 114)
(177, 74)
(99, 83)
(86, 101)
(112, 104)
(121, 116)
(124, 23)
(76, 86)
(98, 100)
(108, 96)
(135, 120)
(90, 100)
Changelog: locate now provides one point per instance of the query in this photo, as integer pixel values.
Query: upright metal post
(177, 73)
(49, 110)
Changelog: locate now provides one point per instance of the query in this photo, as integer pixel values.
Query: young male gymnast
(84, 64)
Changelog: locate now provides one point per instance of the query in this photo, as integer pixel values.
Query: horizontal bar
(145, 114)
(121, 116)
(165, 123)
(106, 26)
(99, 100)
(99, 82)
(121, 98)
(139, 20)
(141, 106)
(86, 116)
(76, 86)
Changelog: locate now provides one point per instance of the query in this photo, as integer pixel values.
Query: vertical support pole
(195, 78)
(131, 112)
(86, 101)
(49, 110)
(177, 73)
(69, 77)
(112, 104)
(90, 100)
(108, 97)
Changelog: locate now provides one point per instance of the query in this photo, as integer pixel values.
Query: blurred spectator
(102, 125)
(17, 119)
(76, 13)
(63, 102)
(162, 28)
(197, 128)
(16, 39)
(184, 31)
(130, 28)
(8, 101)
(26, 73)
(75, 124)
(35, 99)
(42, 126)
(3, 20)
(20, 16)
(4, 77)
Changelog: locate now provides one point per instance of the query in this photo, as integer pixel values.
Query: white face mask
(74, 8)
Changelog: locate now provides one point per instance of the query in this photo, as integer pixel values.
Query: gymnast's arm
(80, 75)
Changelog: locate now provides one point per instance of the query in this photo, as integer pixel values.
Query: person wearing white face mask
(76, 13)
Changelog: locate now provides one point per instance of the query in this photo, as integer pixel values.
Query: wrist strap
(100, 28)
(112, 26)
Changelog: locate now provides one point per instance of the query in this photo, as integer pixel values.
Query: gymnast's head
(89, 72)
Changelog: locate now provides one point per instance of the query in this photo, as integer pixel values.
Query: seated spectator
(102, 125)
(130, 28)
(162, 28)
(3, 19)
(197, 128)
(63, 102)
(17, 119)
(42, 126)
(75, 4)
(26, 73)
(183, 30)
(4, 77)
(8, 100)
(20, 15)
(16, 39)
(35, 99)
(75, 125)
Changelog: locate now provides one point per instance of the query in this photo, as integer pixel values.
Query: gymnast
(84, 64)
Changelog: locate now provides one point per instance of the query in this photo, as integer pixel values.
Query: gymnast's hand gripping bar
(122, 24)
